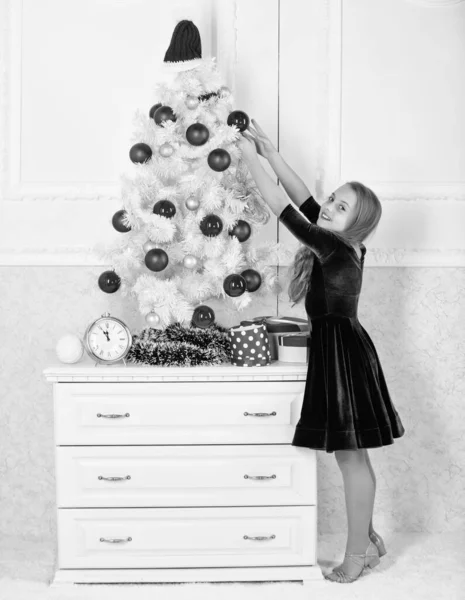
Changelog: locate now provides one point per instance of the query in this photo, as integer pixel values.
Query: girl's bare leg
(359, 491)
(373, 477)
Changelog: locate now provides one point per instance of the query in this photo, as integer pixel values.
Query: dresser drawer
(177, 413)
(186, 537)
(159, 476)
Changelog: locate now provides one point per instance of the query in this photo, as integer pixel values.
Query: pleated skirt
(346, 403)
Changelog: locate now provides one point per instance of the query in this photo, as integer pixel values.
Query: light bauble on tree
(197, 134)
(219, 160)
(234, 285)
(239, 119)
(192, 203)
(109, 282)
(241, 231)
(164, 113)
(166, 150)
(119, 221)
(164, 208)
(253, 279)
(203, 316)
(156, 259)
(192, 102)
(211, 225)
(140, 153)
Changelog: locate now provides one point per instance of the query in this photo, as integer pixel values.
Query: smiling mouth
(325, 217)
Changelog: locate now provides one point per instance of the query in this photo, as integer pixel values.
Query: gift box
(279, 325)
(250, 345)
(294, 347)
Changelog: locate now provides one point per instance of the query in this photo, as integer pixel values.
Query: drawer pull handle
(260, 538)
(114, 478)
(247, 414)
(115, 540)
(111, 416)
(259, 476)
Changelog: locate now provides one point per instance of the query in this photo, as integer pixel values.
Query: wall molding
(75, 256)
(392, 190)
(435, 3)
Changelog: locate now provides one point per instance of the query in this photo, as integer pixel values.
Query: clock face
(108, 340)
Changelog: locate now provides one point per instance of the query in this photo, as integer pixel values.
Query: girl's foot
(354, 565)
(377, 541)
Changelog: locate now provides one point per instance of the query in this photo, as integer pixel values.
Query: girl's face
(338, 212)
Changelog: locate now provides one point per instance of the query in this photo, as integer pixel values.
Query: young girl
(346, 407)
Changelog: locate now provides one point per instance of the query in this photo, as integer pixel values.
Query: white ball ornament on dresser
(69, 349)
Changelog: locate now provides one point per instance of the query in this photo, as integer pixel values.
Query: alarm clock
(107, 340)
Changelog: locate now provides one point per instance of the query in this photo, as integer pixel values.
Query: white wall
(352, 89)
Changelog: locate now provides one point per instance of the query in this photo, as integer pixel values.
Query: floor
(417, 566)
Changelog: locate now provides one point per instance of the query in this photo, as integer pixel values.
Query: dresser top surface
(87, 370)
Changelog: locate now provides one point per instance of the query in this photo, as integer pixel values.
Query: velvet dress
(346, 402)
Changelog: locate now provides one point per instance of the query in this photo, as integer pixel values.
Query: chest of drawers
(168, 474)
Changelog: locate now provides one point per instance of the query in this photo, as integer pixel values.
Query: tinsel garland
(180, 346)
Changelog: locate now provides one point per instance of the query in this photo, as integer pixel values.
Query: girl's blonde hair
(367, 215)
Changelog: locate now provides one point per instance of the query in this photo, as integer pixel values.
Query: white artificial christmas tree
(190, 209)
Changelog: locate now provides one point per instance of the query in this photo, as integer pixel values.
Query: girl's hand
(247, 146)
(262, 142)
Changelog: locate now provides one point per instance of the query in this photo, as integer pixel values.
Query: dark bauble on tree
(239, 119)
(119, 221)
(211, 225)
(234, 285)
(164, 113)
(241, 230)
(156, 259)
(109, 282)
(253, 279)
(203, 316)
(153, 109)
(219, 160)
(197, 134)
(164, 208)
(140, 153)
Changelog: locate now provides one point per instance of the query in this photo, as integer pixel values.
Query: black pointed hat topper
(185, 48)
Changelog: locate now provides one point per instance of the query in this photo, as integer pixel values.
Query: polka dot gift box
(250, 346)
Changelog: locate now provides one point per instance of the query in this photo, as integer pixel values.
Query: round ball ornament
(211, 225)
(166, 150)
(234, 285)
(197, 134)
(253, 279)
(203, 316)
(164, 208)
(192, 102)
(219, 160)
(109, 282)
(224, 92)
(152, 319)
(153, 109)
(239, 119)
(149, 246)
(140, 153)
(107, 339)
(164, 113)
(192, 203)
(69, 349)
(156, 259)
(241, 231)
(119, 221)
(190, 262)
